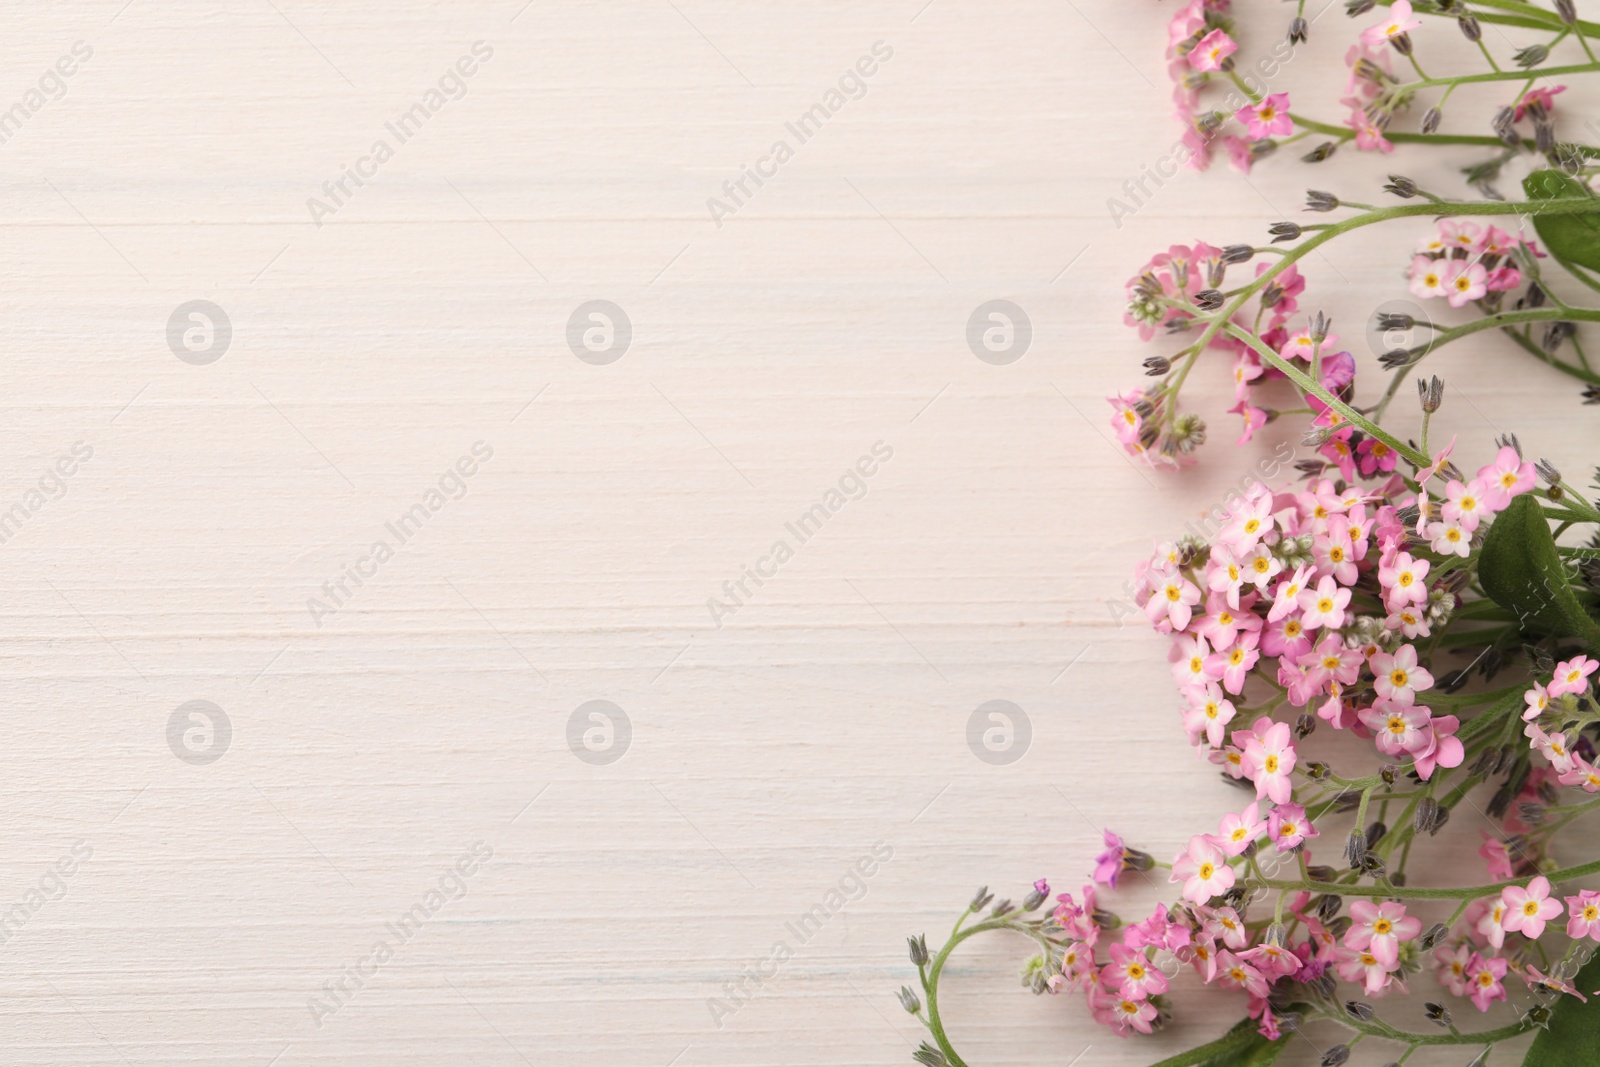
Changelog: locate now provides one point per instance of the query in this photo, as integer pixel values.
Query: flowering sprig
(1339, 606)
(1183, 293)
(1252, 122)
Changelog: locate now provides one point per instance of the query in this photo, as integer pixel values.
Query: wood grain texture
(430, 712)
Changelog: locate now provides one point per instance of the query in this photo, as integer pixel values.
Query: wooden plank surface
(380, 732)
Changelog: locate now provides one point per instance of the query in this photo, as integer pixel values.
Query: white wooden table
(374, 736)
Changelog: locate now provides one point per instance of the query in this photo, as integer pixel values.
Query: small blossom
(1537, 699)
(1289, 827)
(1324, 605)
(1239, 831)
(1584, 915)
(1380, 928)
(1108, 865)
(1528, 909)
(1130, 973)
(1449, 539)
(1268, 759)
(1397, 678)
(1213, 48)
(1484, 980)
(1269, 118)
(1572, 676)
(1203, 870)
(1398, 21)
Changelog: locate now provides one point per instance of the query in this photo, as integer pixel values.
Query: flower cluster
(1465, 262)
(1170, 293)
(1199, 49)
(1317, 599)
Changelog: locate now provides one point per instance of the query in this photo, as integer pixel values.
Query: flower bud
(1317, 200)
(1433, 936)
(1355, 848)
(909, 1001)
(1547, 471)
(1357, 1010)
(1531, 56)
(1505, 127)
(1320, 873)
(1208, 299)
(1555, 333)
(981, 898)
(1431, 393)
(1437, 1013)
(1401, 186)
(1237, 254)
(919, 949)
(1320, 153)
(1297, 31)
(1337, 1056)
(1431, 119)
(1356, 8)
(1568, 10)
(1328, 906)
(929, 1056)
(1470, 28)
(1284, 231)
(1004, 907)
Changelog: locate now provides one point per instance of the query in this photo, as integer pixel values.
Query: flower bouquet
(1390, 657)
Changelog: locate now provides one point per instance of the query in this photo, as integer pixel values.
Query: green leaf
(1573, 1039)
(1243, 1046)
(1522, 572)
(1570, 238)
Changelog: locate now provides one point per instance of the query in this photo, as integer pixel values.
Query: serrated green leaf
(1570, 238)
(1243, 1046)
(1573, 1039)
(1522, 572)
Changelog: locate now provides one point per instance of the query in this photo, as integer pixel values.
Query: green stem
(1470, 892)
(930, 984)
